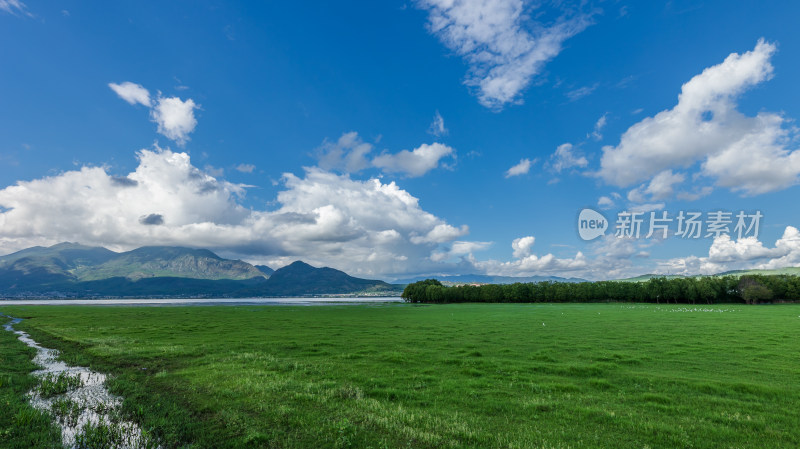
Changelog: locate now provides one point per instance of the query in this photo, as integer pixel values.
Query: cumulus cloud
(350, 154)
(503, 46)
(534, 265)
(522, 246)
(413, 163)
(523, 167)
(132, 93)
(727, 254)
(440, 233)
(367, 228)
(565, 158)
(437, 126)
(751, 155)
(174, 117)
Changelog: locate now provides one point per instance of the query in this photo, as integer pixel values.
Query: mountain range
(74, 270)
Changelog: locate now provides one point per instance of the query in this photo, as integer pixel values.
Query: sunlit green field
(483, 376)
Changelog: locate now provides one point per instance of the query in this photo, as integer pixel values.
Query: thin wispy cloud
(245, 168)
(522, 168)
(597, 133)
(15, 7)
(565, 158)
(502, 45)
(437, 127)
(577, 94)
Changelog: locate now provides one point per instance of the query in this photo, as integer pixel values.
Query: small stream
(87, 404)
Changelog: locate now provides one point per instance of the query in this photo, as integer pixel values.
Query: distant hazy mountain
(647, 277)
(790, 271)
(70, 269)
(486, 279)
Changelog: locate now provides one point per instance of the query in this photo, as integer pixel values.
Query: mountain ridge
(71, 269)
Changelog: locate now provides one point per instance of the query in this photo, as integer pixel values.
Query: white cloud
(523, 167)
(459, 249)
(564, 158)
(661, 187)
(413, 163)
(522, 246)
(440, 233)
(367, 228)
(14, 7)
(750, 155)
(696, 194)
(605, 202)
(132, 93)
(577, 94)
(787, 251)
(646, 207)
(245, 168)
(597, 134)
(348, 154)
(437, 126)
(726, 254)
(503, 46)
(175, 118)
(609, 258)
(534, 265)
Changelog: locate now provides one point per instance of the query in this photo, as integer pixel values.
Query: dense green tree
(749, 289)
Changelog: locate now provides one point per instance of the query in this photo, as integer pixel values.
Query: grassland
(484, 376)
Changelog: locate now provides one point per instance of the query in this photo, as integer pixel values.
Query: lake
(296, 301)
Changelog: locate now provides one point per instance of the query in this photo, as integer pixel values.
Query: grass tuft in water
(66, 411)
(55, 384)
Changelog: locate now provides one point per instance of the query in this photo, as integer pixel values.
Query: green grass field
(482, 376)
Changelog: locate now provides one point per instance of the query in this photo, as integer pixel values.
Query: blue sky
(379, 137)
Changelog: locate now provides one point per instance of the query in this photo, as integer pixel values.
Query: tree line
(748, 289)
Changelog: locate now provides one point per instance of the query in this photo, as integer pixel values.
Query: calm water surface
(202, 301)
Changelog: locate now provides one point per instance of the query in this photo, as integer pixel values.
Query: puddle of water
(91, 400)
